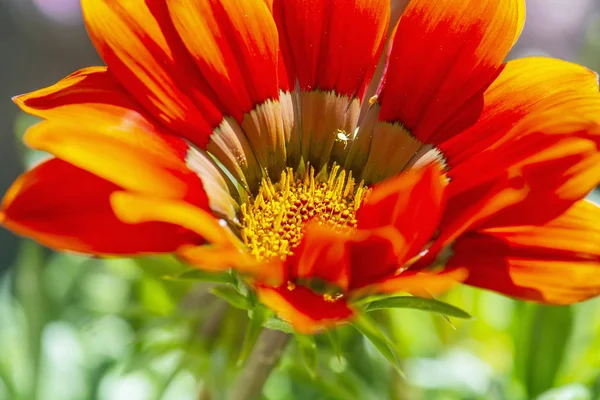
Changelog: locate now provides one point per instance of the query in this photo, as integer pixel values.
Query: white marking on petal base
(358, 152)
(324, 114)
(229, 145)
(383, 149)
(217, 186)
(427, 155)
(263, 144)
(271, 131)
(392, 148)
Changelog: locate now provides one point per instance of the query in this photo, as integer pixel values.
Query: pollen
(273, 223)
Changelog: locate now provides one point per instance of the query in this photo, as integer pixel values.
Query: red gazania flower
(239, 134)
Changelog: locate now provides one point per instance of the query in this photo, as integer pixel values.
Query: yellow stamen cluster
(273, 223)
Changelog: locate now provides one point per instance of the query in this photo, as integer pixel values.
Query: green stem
(264, 357)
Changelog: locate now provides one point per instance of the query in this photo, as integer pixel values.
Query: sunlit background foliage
(74, 328)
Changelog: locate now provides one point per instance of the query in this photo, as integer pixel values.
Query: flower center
(273, 223)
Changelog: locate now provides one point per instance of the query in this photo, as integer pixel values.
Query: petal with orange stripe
(307, 311)
(124, 151)
(412, 202)
(419, 283)
(525, 86)
(443, 54)
(94, 123)
(138, 42)
(234, 45)
(335, 44)
(556, 157)
(556, 263)
(67, 208)
(92, 91)
(321, 255)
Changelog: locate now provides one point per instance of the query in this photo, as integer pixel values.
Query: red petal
(67, 208)
(558, 263)
(556, 158)
(125, 151)
(235, 46)
(419, 283)
(117, 136)
(92, 90)
(444, 54)
(347, 260)
(321, 255)
(335, 45)
(525, 86)
(375, 254)
(305, 310)
(412, 202)
(139, 44)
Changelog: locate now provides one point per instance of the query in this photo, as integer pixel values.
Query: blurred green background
(73, 328)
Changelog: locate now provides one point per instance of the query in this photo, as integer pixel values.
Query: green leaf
(418, 303)
(278, 325)
(571, 392)
(155, 297)
(334, 340)
(232, 296)
(197, 275)
(258, 316)
(308, 351)
(369, 329)
(542, 341)
(157, 266)
(306, 387)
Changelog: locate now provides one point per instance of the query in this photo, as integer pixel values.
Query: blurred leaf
(278, 325)
(570, 392)
(32, 297)
(258, 316)
(308, 351)
(542, 337)
(232, 296)
(321, 388)
(418, 303)
(159, 266)
(155, 297)
(194, 274)
(335, 343)
(375, 335)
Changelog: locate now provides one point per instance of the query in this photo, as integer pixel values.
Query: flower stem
(266, 354)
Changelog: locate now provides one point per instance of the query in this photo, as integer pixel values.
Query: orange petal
(335, 45)
(556, 171)
(412, 202)
(321, 255)
(556, 184)
(124, 151)
(375, 254)
(135, 209)
(557, 263)
(139, 44)
(555, 154)
(235, 46)
(347, 260)
(525, 86)
(91, 92)
(419, 283)
(445, 53)
(305, 310)
(68, 208)
(220, 258)
(471, 208)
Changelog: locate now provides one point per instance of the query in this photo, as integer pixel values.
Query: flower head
(252, 135)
